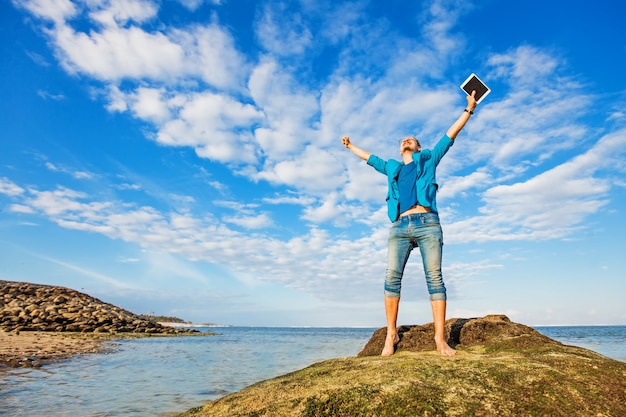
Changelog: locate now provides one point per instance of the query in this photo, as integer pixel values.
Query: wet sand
(34, 349)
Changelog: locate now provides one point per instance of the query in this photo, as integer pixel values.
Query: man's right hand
(364, 155)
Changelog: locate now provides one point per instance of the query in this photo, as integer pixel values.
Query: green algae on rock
(501, 369)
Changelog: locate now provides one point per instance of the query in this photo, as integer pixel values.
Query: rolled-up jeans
(408, 232)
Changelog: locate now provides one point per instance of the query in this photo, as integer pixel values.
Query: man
(412, 208)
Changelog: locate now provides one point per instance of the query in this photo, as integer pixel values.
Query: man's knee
(393, 283)
(391, 294)
(436, 287)
(438, 296)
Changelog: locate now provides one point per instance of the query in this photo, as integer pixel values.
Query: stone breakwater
(45, 308)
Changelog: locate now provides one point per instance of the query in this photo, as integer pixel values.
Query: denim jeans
(408, 232)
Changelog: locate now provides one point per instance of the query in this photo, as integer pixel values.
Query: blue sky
(184, 157)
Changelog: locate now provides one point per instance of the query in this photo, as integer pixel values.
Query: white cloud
(80, 175)
(313, 170)
(247, 215)
(304, 262)
(20, 208)
(297, 199)
(550, 205)
(211, 55)
(52, 167)
(617, 115)
(118, 53)
(194, 4)
(330, 210)
(454, 186)
(257, 221)
(362, 182)
(123, 51)
(128, 260)
(149, 104)
(117, 99)
(438, 21)
(281, 37)
(10, 188)
(119, 12)
(63, 200)
(127, 186)
(46, 95)
(288, 107)
(55, 10)
(216, 126)
(525, 64)
(38, 58)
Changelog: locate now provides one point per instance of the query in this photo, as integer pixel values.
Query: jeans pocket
(430, 218)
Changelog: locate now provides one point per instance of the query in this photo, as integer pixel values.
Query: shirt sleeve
(441, 148)
(377, 163)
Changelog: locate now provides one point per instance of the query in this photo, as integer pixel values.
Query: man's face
(409, 144)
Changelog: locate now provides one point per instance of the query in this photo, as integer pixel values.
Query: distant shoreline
(193, 325)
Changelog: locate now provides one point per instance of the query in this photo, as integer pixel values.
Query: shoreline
(33, 349)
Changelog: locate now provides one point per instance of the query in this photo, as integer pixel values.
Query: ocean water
(609, 341)
(166, 376)
(163, 376)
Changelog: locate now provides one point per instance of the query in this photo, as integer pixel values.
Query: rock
(501, 369)
(34, 307)
(59, 300)
(490, 331)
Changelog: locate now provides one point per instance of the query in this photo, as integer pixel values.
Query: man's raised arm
(458, 125)
(364, 155)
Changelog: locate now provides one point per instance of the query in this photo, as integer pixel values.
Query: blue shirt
(406, 184)
(426, 186)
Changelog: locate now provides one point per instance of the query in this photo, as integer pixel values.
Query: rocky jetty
(45, 308)
(501, 369)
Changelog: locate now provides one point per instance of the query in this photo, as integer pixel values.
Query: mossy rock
(506, 370)
(491, 332)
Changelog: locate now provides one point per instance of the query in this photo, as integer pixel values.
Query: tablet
(474, 83)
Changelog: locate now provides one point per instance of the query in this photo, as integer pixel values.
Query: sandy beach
(34, 349)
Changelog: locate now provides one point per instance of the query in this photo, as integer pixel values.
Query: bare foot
(391, 341)
(444, 349)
